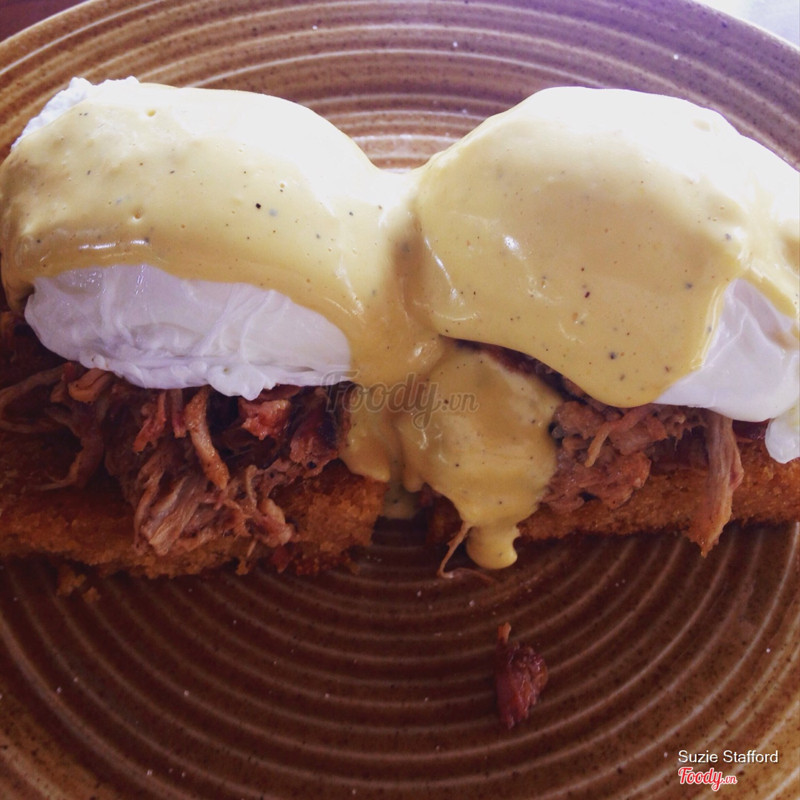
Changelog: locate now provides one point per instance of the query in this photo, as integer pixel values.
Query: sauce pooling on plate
(599, 231)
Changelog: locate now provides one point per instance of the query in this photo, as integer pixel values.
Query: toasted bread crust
(332, 512)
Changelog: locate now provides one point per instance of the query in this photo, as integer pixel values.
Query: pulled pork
(190, 462)
(520, 675)
(607, 453)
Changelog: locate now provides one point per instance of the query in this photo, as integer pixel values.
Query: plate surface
(377, 682)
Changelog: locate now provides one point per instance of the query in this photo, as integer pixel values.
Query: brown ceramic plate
(377, 683)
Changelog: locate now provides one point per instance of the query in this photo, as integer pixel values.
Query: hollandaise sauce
(594, 231)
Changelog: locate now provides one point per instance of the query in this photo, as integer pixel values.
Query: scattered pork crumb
(70, 580)
(91, 595)
(520, 675)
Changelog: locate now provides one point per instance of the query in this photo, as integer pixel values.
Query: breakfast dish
(374, 681)
(579, 293)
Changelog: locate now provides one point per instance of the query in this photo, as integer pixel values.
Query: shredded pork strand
(40, 423)
(725, 474)
(90, 386)
(453, 545)
(8, 323)
(196, 417)
(614, 429)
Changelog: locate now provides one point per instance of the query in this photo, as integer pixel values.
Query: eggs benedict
(589, 290)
